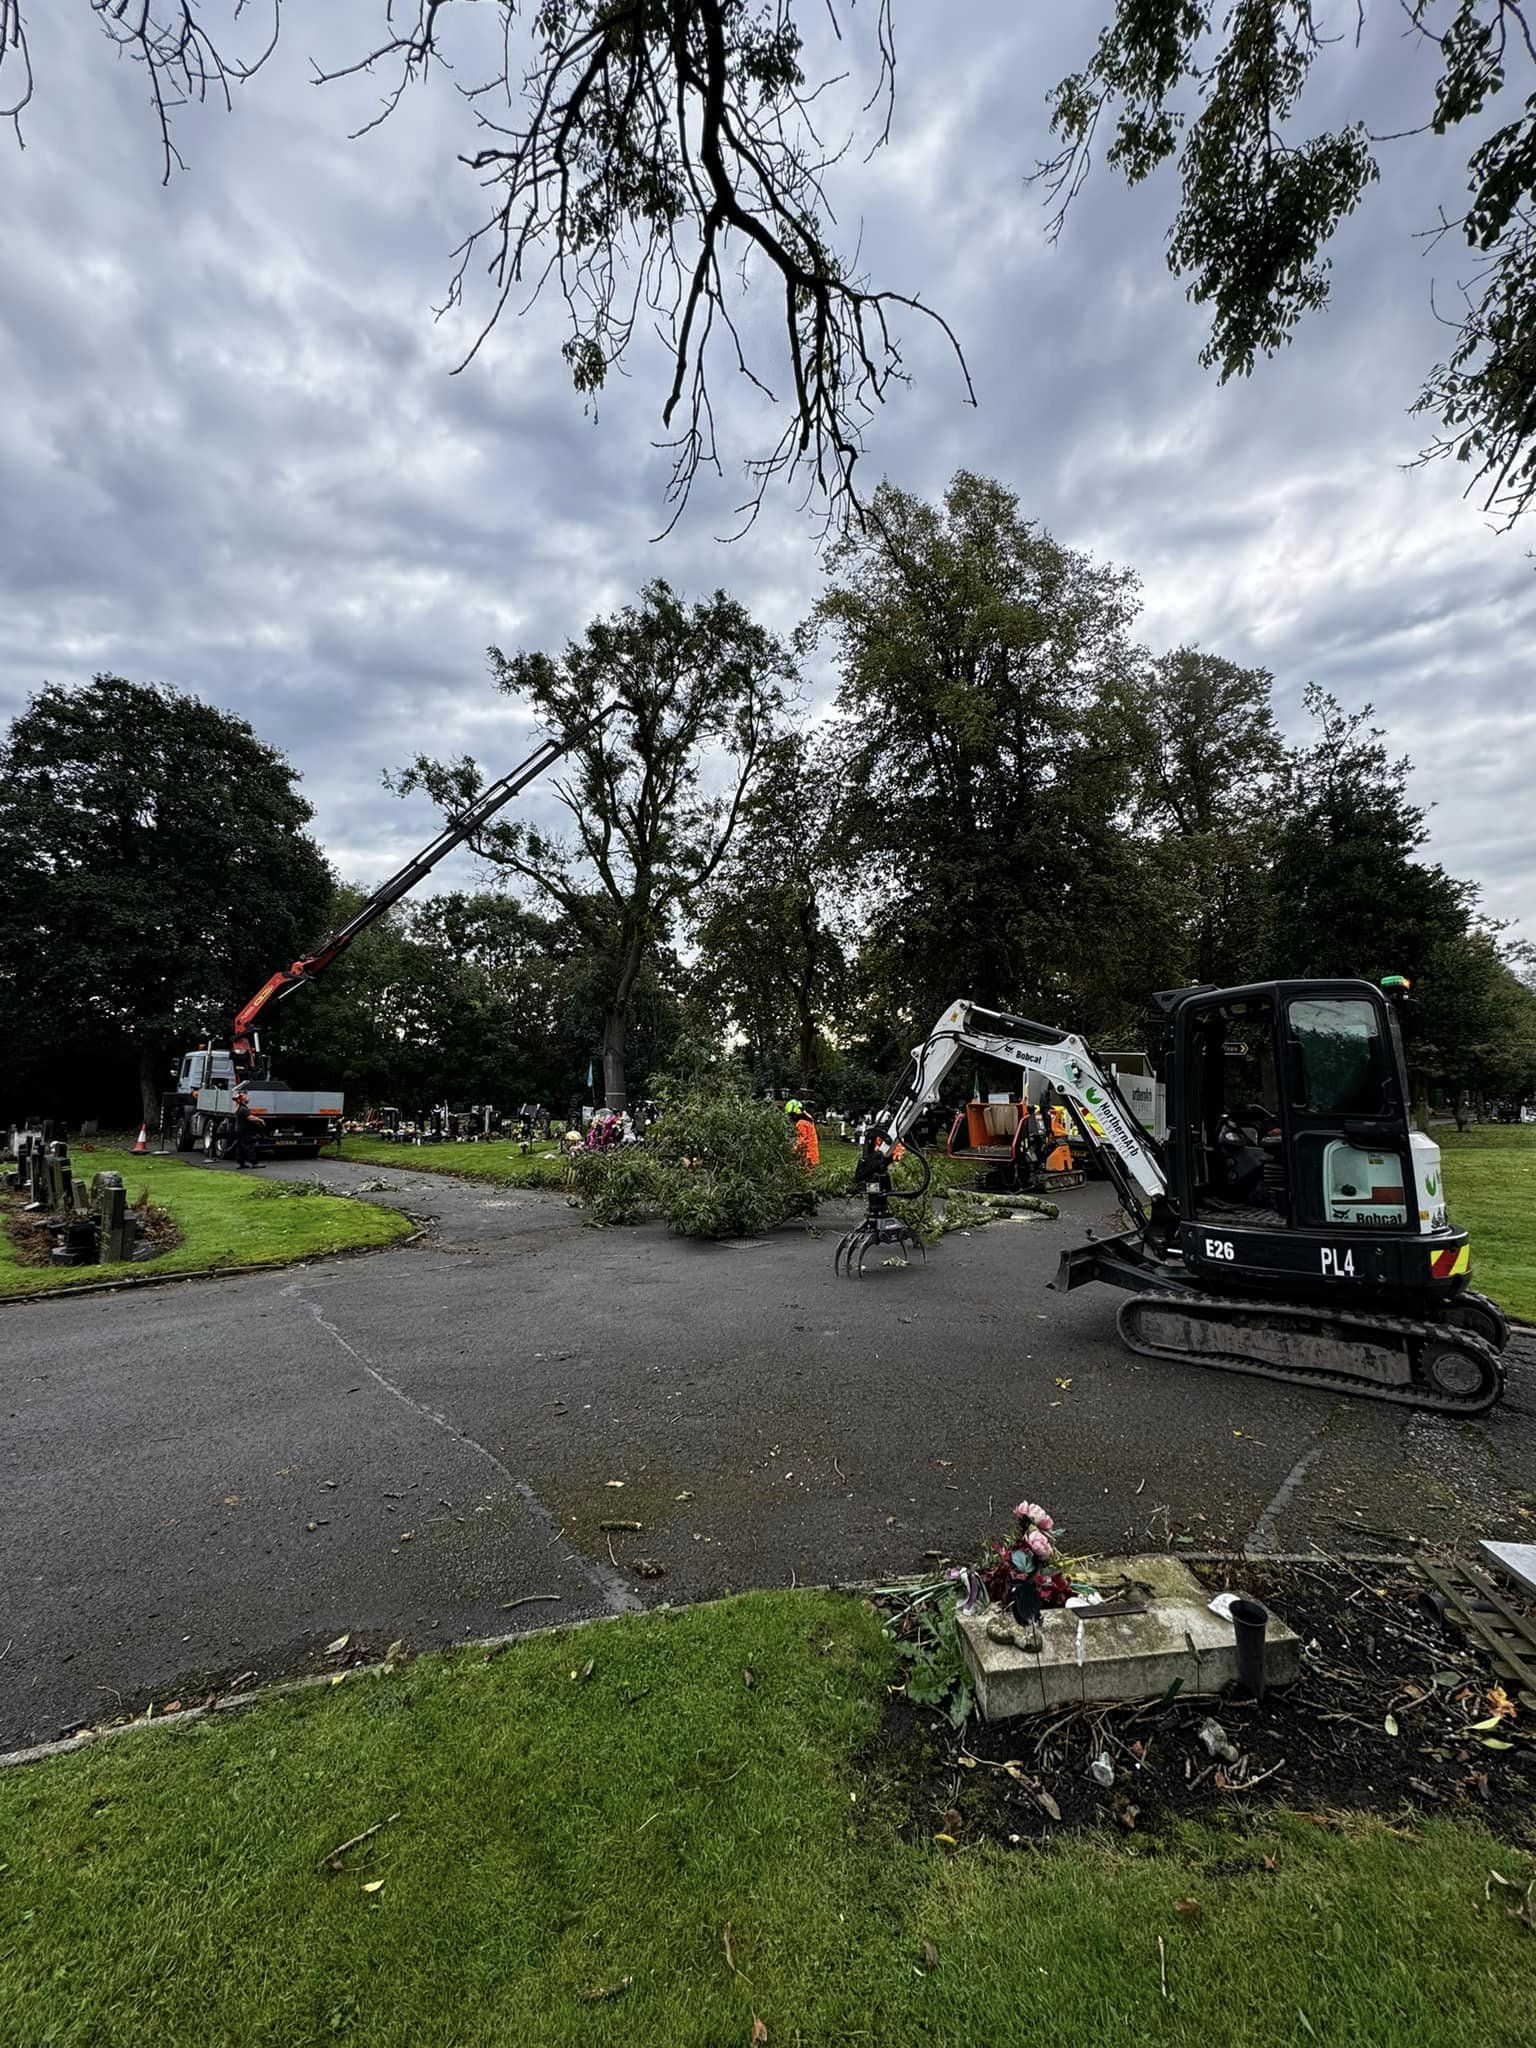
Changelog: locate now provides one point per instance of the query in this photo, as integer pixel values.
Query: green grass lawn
(226, 1219)
(1490, 1179)
(568, 1828)
(496, 1159)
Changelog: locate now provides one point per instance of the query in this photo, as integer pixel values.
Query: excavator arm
(244, 1046)
(1097, 1105)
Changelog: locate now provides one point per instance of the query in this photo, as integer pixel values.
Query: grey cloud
(233, 456)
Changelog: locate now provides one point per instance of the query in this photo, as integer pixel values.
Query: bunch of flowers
(1028, 1560)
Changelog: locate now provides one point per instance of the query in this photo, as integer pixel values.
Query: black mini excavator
(1292, 1224)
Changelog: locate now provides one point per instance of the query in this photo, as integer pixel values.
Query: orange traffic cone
(143, 1144)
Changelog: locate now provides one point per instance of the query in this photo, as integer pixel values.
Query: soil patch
(1386, 1718)
(31, 1242)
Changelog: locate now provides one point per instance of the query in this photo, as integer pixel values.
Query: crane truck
(200, 1104)
(1292, 1225)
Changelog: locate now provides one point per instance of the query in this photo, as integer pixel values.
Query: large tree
(1204, 754)
(653, 158)
(984, 769)
(1352, 894)
(669, 707)
(154, 869)
(770, 951)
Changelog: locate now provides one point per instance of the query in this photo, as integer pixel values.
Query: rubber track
(1411, 1396)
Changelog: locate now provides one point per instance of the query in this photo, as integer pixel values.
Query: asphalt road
(212, 1481)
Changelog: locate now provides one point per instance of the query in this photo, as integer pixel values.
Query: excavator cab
(1290, 1150)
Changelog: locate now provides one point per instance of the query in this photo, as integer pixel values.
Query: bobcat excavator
(1292, 1225)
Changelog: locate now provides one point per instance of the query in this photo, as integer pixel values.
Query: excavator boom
(1351, 1302)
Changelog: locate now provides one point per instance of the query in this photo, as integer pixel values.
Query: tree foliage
(670, 708)
(457, 998)
(652, 159)
(717, 1164)
(978, 663)
(1220, 90)
(649, 159)
(772, 962)
(1204, 757)
(154, 869)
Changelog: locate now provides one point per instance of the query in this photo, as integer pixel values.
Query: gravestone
(116, 1223)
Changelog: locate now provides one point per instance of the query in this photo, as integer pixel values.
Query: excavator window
(1233, 1096)
(1341, 1057)
(1347, 1113)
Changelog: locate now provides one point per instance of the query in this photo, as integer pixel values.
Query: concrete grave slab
(1517, 1559)
(1121, 1657)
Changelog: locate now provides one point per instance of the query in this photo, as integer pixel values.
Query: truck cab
(288, 1122)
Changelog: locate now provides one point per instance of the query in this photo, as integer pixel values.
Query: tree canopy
(1008, 799)
(652, 158)
(978, 659)
(671, 708)
(154, 868)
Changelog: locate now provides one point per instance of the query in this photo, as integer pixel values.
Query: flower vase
(1026, 1601)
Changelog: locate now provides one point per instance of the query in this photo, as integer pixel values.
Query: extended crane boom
(244, 1046)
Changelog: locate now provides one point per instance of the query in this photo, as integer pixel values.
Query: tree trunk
(807, 1042)
(616, 1020)
(803, 1008)
(149, 1087)
(615, 1024)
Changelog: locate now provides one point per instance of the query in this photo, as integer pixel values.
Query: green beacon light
(1396, 985)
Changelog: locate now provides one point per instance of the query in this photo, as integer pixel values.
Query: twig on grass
(730, 1960)
(508, 1605)
(1162, 1966)
(332, 1861)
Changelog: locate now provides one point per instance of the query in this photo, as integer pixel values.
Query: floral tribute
(1028, 1563)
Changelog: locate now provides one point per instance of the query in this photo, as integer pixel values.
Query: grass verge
(1491, 1182)
(495, 1159)
(225, 1219)
(662, 1830)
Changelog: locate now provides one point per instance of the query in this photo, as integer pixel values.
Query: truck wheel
(184, 1139)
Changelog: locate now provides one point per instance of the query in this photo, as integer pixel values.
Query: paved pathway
(219, 1478)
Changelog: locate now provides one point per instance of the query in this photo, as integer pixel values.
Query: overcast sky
(233, 457)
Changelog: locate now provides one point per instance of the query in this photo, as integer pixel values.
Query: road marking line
(618, 1596)
(1261, 1537)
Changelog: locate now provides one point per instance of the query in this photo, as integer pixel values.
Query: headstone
(116, 1224)
(58, 1174)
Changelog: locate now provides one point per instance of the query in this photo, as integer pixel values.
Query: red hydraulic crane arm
(479, 813)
